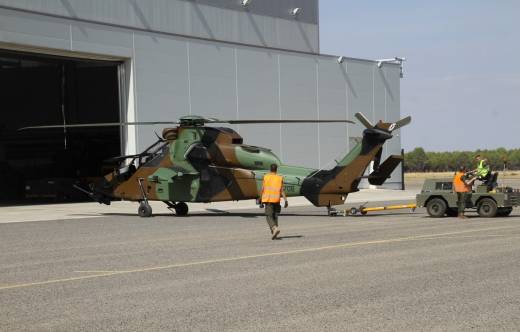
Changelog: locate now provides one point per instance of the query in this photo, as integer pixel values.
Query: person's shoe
(275, 232)
(461, 216)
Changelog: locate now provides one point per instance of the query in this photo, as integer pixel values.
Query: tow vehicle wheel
(504, 212)
(436, 207)
(144, 210)
(181, 209)
(451, 212)
(487, 208)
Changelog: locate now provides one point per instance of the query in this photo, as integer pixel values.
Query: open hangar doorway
(41, 165)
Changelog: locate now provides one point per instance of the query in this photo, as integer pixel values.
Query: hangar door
(42, 165)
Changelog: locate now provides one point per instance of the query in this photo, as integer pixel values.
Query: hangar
(90, 61)
(46, 89)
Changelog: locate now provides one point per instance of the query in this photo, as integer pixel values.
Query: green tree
(418, 160)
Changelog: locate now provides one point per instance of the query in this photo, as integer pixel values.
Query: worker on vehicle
(272, 190)
(462, 185)
(483, 172)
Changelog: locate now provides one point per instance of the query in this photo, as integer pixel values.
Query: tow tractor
(439, 199)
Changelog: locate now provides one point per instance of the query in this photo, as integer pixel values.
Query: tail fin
(330, 187)
(383, 171)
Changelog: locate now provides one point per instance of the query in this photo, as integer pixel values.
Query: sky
(461, 80)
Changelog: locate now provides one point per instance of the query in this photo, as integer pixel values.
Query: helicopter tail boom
(331, 187)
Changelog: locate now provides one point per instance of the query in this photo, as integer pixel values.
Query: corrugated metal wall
(263, 22)
(173, 76)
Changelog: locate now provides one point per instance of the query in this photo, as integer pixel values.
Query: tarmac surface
(217, 270)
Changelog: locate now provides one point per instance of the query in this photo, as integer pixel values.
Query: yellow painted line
(239, 258)
(478, 236)
(95, 271)
(173, 238)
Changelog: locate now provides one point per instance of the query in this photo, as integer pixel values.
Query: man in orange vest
(462, 187)
(272, 189)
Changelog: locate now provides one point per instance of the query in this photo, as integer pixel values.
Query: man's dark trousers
(271, 213)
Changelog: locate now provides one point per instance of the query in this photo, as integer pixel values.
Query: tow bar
(363, 210)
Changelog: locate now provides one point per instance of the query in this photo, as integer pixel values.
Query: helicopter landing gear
(331, 211)
(144, 210)
(181, 208)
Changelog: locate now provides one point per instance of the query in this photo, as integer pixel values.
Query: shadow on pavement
(289, 237)
(219, 214)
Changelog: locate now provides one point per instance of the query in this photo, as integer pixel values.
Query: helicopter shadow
(249, 215)
(252, 214)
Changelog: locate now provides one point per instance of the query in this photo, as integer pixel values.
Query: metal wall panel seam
(236, 87)
(280, 102)
(346, 106)
(373, 96)
(318, 26)
(277, 27)
(189, 75)
(70, 37)
(318, 109)
(386, 92)
(134, 85)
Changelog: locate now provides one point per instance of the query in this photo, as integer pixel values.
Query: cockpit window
(155, 150)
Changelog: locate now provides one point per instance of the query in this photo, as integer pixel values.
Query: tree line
(499, 159)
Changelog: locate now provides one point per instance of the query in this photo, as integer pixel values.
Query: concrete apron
(11, 214)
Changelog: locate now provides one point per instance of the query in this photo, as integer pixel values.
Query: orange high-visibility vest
(458, 185)
(272, 188)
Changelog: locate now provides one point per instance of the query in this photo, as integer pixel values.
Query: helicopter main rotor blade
(183, 122)
(278, 121)
(106, 124)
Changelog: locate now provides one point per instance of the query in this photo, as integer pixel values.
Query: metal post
(402, 170)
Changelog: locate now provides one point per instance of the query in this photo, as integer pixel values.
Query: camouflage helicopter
(193, 162)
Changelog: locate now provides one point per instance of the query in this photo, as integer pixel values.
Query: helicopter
(194, 162)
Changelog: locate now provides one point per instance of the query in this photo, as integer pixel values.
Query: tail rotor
(390, 127)
(363, 119)
(401, 123)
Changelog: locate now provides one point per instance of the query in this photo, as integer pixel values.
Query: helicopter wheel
(181, 209)
(144, 210)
